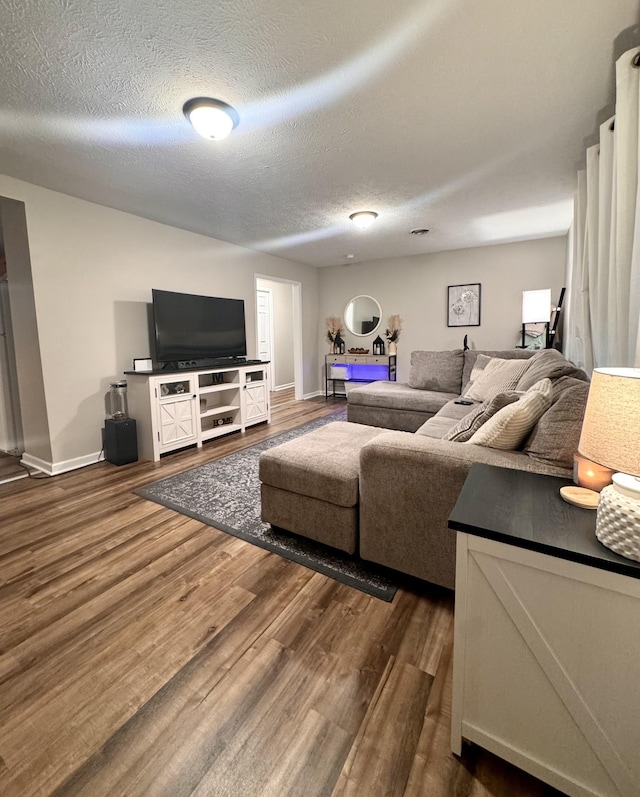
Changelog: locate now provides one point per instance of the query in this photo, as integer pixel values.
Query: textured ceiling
(464, 117)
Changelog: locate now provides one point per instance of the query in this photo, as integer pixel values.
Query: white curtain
(601, 326)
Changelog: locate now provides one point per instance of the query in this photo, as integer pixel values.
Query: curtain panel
(604, 285)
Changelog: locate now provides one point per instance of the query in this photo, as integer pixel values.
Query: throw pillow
(492, 375)
(437, 370)
(469, 425)
(551, 364)
(554, 439)
(471, 355)
(510, 426)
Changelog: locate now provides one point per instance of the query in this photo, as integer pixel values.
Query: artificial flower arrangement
(394, 328)
(334, 328)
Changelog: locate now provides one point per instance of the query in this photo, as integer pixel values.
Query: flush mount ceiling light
(363, 218)
(213, 119)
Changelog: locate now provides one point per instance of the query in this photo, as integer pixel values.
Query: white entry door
(264, 303)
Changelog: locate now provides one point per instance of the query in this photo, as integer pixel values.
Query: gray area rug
(226, 494)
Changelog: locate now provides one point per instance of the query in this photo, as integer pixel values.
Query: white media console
(182, 408)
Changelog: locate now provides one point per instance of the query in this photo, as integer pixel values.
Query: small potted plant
(335, 332)
(392, 333)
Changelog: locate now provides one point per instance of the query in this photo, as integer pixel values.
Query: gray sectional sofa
(384, 489)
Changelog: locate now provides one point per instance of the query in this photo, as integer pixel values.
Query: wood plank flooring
(144, 653)
(10, 468)
(280, 397)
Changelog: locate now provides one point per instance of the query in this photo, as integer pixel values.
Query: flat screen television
(189, 327)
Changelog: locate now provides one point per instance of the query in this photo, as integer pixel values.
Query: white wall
(93, 269)
(416, 288)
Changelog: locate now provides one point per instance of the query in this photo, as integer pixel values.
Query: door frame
(9, 375)
(298, 369)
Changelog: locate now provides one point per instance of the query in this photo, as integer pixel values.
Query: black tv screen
(189, 327)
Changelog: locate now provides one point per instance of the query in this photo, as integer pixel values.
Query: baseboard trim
(55, 468)
(306, 396)
(284, 387)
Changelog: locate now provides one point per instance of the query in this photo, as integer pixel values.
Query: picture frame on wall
(463, 305)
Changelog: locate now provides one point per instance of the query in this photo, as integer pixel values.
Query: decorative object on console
(362, 315)
(378, 345)
(463, 305)
(610, 438)
(334, 330)
(392, 333)
(338, 344)
(536, 310)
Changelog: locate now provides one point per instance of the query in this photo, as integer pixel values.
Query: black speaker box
(120, 441)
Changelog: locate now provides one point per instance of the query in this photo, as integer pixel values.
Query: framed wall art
(463, 305)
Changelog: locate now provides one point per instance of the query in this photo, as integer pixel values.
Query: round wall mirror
(362, 315)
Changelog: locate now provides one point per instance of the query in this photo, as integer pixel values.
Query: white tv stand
(181, 408)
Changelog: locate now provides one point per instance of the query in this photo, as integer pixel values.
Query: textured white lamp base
(618, 522)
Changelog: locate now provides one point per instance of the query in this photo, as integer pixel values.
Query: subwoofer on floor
(120, 441)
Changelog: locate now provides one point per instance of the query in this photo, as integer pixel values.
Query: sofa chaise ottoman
(310, 485)
(436, 378)
(388, 494)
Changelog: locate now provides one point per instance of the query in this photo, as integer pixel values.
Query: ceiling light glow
(363, 218)
(213, 119)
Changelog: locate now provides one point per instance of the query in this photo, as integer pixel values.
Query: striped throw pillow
(472, 421)
(510, 426)
(492, 375)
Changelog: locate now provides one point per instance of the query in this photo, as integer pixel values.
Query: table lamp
(536, 309)
(611, 437)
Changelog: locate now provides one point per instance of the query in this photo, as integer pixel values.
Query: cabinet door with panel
(176, 415)
(256, 396)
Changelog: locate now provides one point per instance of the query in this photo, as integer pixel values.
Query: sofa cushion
(554, 439)
(397, 395)
(445, 419)
(321, 464)
(551, 364)
(465, 428)
(510, 426)
(471, 355)
(437, 370)
(492, 375)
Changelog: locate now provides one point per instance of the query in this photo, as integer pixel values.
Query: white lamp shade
(611, 428)
(536, 306)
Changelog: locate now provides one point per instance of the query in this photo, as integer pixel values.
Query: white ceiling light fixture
(363, 218)
(213, 119)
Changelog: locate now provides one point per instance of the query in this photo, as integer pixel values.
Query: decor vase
(393, 349)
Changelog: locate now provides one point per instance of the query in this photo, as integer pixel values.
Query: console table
(176, 409)
(341, 368)
(546, 669)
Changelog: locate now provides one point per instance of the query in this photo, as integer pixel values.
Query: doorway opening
(279, 335)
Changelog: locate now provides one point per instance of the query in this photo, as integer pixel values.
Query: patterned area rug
(226, 494)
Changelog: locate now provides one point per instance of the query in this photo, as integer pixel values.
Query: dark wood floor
(280, 397)
(144, 653)
(10, 468)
